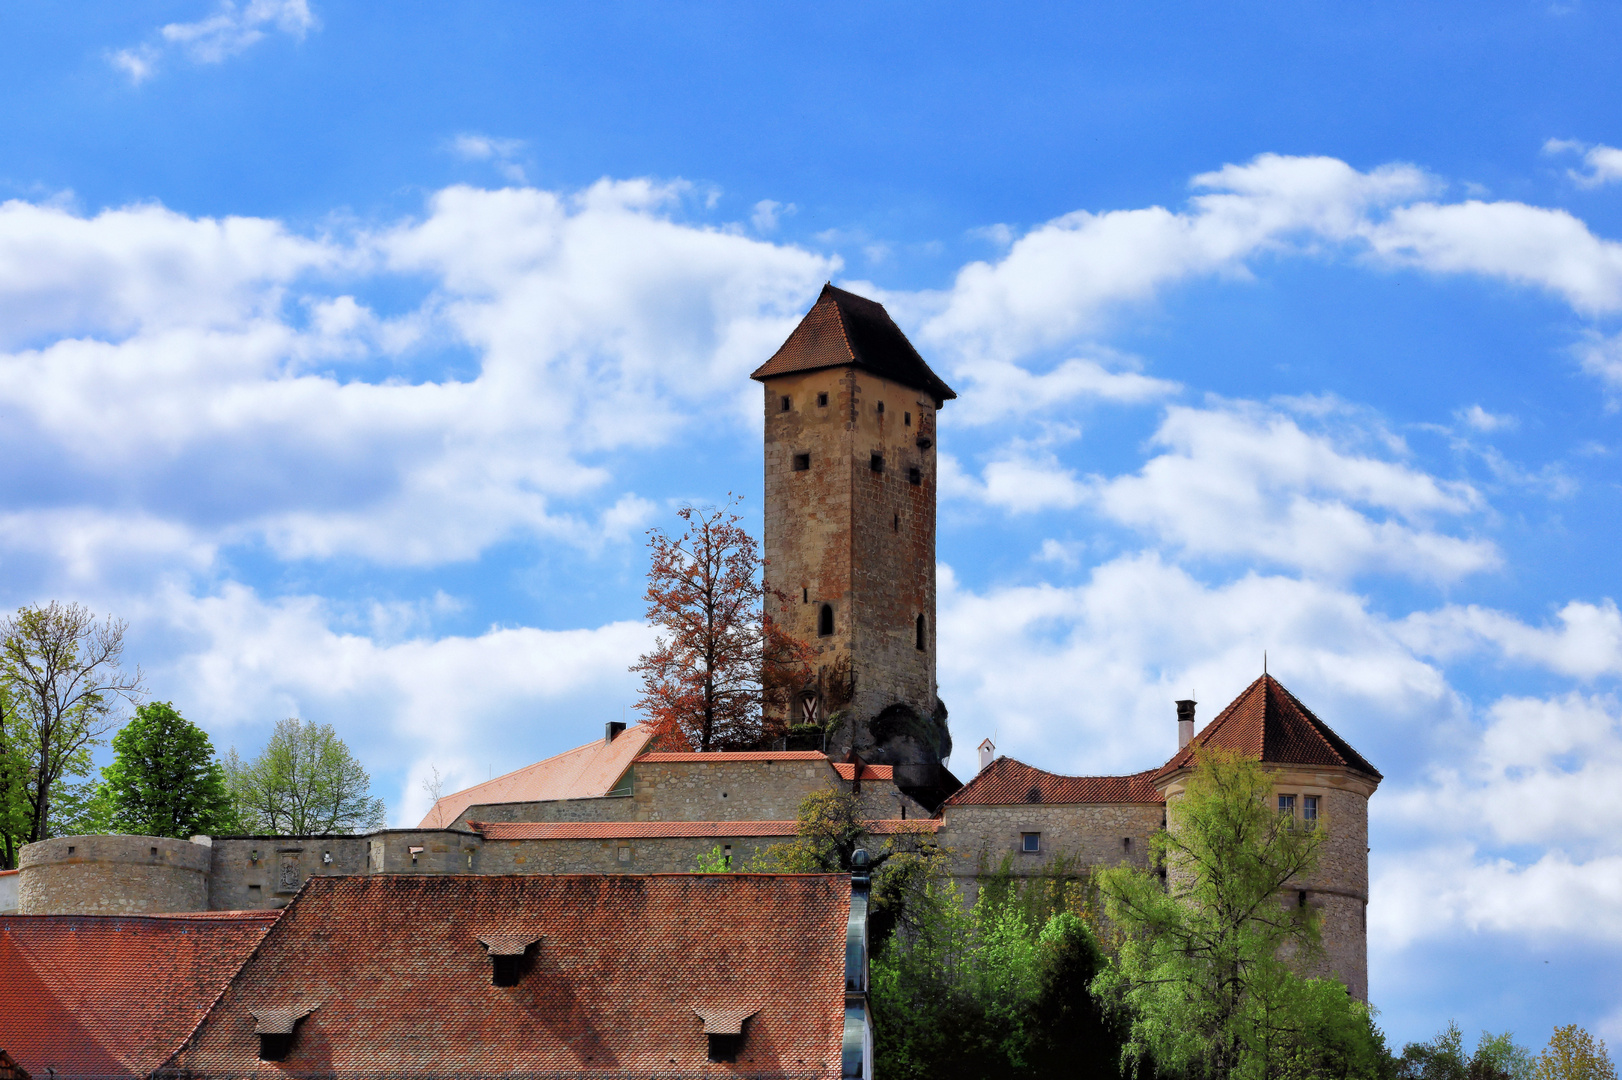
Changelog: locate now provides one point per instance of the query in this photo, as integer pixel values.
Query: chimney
(988, 753)
(611, 729)
(1185, 722)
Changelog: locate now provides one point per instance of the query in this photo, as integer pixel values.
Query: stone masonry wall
(644, 855)
(1093, 834)
(111, 875)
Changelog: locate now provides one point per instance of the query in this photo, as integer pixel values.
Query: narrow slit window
(822, 399)
(881, 408)
(876, 463)
(802, 462)
(918, 633)
(915, 476)
(782, 404)
(805, 595)
(825, 620)
(898, 523)
(1309, 811)
(907, 419)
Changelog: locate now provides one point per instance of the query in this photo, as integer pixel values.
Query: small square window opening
(915, 476)
(782, 404)
(1030, 842)
(822, 399)
(724, 1048)
(802, 462)
(624, 854)
(876, 462)
(881, 408)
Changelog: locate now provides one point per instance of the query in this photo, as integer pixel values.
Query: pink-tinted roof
(616, 986)
(1268, 723)
(113, 995)
(585, 772)
(1006, 781)
(628, 830)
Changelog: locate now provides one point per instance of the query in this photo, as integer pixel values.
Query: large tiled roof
(582, 773)
(1268, 723)
(843, 328)
(1006, 781)
(616, 986)
(847, 771)
(735, 755)
(113, 995)
(629, 830)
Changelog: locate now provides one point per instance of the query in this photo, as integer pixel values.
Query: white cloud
(1604, 163)
(213, 367)
(230, 30)
(993, 390)
(767, 214)
(1586, 644)
(1478, 419)
(507, 695)
(1601, 357)
(499, 152)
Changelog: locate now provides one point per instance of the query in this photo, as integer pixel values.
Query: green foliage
(988, 992)
(1200, 968)
(1497, 1057)
(303, 783)
(831, 825)
(717, 860)
(1572, 1054)
(14, 781)
(164, 779)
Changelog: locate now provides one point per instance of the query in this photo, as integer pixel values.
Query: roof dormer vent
(278, 1028)
(509, 956)
(723, 1028)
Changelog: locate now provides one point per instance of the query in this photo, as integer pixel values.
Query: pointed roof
(845, 329)
(1268, 723)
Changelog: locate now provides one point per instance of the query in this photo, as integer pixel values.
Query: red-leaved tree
(721, 671)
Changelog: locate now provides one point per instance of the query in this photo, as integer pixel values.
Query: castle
(850, 459)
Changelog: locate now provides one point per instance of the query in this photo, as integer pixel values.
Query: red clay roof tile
(113, 995)
(610, 991)
(1268, 723)
(735, 755)
(585, 772)
(842, 328)
(1005, 782)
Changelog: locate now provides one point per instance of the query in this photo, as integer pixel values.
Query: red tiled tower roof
(113, 995)
(1268, 723)
(622, 969)
(1005, 782)
(842, 328)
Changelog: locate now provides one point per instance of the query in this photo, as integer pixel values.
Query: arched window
(918, 639)
(825, 620)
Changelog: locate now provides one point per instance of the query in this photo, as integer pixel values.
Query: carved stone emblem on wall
(288, 879)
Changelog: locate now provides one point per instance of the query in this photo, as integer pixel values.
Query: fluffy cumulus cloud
(1601, 164)
(230, 29)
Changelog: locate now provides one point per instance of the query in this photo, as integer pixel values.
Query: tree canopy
(164, 779)
(1201, 963)
(304, 782)
(720, 667)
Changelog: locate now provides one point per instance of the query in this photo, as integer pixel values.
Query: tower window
(802, 462)
(898, 523)
(822, 398)
(881, 408)
(825, 620)
(915, 476)
(918, 633)
(1286, 806)
(1309, 811)
(876, 462)
(805, 595)
(784, 402)
(906, 418)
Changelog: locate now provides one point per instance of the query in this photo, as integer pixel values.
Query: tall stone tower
(850, 531)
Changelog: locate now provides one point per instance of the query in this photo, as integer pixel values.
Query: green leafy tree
(164, 779)
(14, 781)
(717, 860)
(63, 674)
(1201, 965)
(1497, 1057)
(1573, 1054)
(305, 782)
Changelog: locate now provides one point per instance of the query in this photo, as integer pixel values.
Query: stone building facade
(850, 461)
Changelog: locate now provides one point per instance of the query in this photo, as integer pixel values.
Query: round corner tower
(851, 473)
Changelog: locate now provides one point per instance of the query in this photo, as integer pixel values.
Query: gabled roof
(1268, 723)
(113, 995)
(733, 755)
(842, 328)
(585, 772)
(1005, 782)
(614, 987)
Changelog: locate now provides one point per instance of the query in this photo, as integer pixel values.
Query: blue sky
(347, 351)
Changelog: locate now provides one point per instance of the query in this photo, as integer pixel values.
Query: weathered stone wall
(862, 540)
(635, 855)
(112, 875)
(1089, 834)
(260, 872)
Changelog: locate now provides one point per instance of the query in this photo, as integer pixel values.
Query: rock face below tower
(850, 532)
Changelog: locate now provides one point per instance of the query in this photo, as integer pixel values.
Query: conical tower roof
(1269, 724)
(845, 329)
